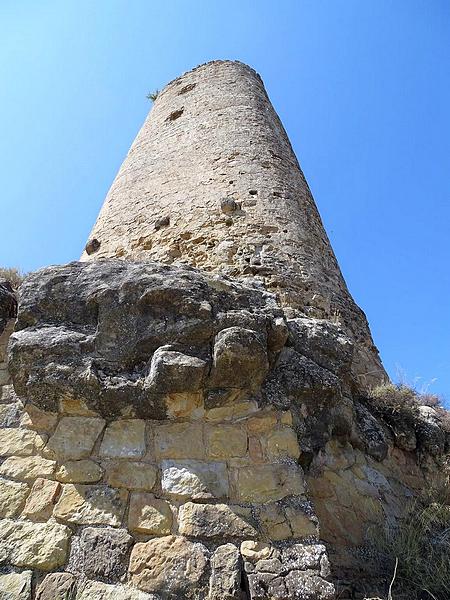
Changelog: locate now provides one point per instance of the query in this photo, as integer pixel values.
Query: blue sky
(362, 87)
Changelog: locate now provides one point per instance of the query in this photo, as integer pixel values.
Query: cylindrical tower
(212, 181)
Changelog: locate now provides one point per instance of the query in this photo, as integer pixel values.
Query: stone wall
(177, 435)
(212, 181)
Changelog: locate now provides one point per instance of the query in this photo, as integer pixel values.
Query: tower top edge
(208, 65)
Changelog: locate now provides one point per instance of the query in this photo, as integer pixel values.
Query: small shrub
(420, 546)
(13, 275)
(152, 95)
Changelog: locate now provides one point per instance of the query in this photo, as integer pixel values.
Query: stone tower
(211, 181)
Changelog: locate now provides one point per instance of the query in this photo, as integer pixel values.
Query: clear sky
(362, 87)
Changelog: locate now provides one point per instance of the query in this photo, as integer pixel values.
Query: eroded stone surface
(226, 566)
(124, 439)
(42, 499)
(171, 565)
(12, 497)
(16, 586)
(214, 521)
(91, 505)
(57, 586)
(105, 552)
(75, 437)
(190, 478)
(150, 515)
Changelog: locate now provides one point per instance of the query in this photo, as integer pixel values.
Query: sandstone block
(27, 468)
(301, 524)
(91, 505)
(57, 586)
(225, 580)
(214, 521)
(262, 423)
(20, 442)
(42, 499)
(16, 586)
(231, 412)
(10, 414)
(132, 475)
(124, 439)
(179, 440)
(194, 479)
(266, 483)
(38, 420)
(75, 407)
(274, 522)
(308, 586)
(41, 546)
(172, 371)
(171, 565)
(79, 471)
(105, 552)
(75, 437)
(282, 442)
(12, 497)
(94, 590)
(148, 514)
(226, 441)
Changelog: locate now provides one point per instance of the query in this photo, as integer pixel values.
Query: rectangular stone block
(179, 440)
(124, 439)
(27, 468)
(91, 505)
(131, 475)
(266, 483)
(149, 515)
(79, 471)
(41, 501)
(226, 441)
(75, 437)
(20, 442)
(194, 479)
(12, 497)
(215, 521)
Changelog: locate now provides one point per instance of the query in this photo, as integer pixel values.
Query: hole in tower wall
(253, 192)
(176, 114)
(187, 88)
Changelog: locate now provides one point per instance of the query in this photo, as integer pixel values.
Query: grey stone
(8, 304)
(16, 586)
(172, 371)
(194, 479)
(225, 580)
(57, 586)
(105, 553)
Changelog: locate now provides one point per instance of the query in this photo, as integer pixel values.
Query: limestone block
(105, 552)
(57, 586)
(94, 590)
(226, 441)
(262, 423)
(308, 585)
(194, 479)
(231, 412)
(42, 546)
(79, 471)
(38, 420)
(10, 414)
(75, 407)
(75, 437)
(179, 440)
(16, 586)
(124, 439)
(91, 505)
(265, 483)
(255, 551)
(169, 565)
(12, 497)
(132, 475)
(282, 442)
(148, 514)
(215, 521)
(20, 442)
(172, 371)
(301, 524)
(27, 468)
(42, 499)
(225, 580)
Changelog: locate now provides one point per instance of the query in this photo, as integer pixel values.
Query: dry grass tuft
(13, 275)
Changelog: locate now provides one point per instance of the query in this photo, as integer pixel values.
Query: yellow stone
(262, 423)
(12, 497)
(132, 475)
(75, 437)
(179, 440)
(282, 442)
(185, 405)
(91, 505)
(20, 442)
(149, 515)
(40, 502)
(286, 418)
(266, 483)
(79, 471)
(226, 441)
(27, 468)
(124, 439)
(37, 419)
(231, 411)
